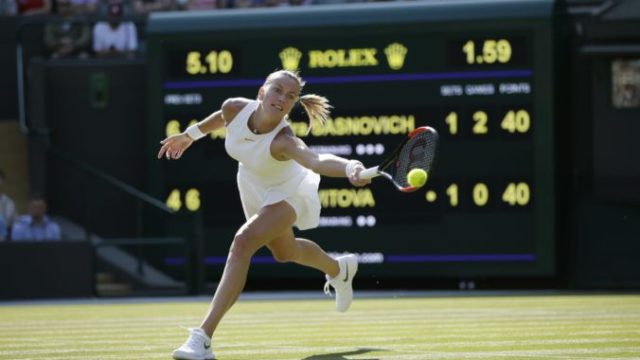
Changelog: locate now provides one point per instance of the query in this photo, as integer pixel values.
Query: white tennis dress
(264, 180)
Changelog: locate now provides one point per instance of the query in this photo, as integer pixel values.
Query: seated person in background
(7, 208)
(333, 2)
(272, 3)
(68, 34)
(8, 7)
(115, 38)
(193, 5)
(36, 226)
(3, 229)
(242, 4)
(34, 7)
(102, 9)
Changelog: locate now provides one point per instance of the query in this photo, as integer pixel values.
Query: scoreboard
(478, 72)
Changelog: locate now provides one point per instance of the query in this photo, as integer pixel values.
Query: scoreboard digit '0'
(479, 73)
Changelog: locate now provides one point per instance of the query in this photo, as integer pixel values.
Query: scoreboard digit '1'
(479, 73)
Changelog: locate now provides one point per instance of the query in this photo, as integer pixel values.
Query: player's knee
(241, 248)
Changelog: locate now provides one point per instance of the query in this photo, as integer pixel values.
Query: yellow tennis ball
(417, 177)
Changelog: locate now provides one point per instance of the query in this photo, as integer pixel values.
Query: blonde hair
(317, 107)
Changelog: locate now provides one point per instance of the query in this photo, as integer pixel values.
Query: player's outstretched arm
(288, 146)
(175, 145)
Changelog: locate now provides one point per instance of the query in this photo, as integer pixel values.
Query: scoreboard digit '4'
(479, 73)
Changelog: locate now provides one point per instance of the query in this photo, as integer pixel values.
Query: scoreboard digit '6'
(480, 73)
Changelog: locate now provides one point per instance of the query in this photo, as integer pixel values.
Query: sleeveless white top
(264, 180)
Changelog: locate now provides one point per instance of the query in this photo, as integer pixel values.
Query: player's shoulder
(284, 140)
(235, 104)
(286, 133)
(232, 106)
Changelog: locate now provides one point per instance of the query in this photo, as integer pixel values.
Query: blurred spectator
(299, 2)
(8, 7)
(201, 4)
(115, 38)
(7, 208)
(273, 3)
(67, 35)
(147, 6)
(242, 4)
(4, 233)
(83, 6)
(36, 226)
(104, 5)
(34, 7)
(334, 2)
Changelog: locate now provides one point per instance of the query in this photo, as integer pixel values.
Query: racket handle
(369, 173)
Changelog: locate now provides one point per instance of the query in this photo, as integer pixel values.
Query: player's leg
(288, 248)
(339, 272)
(259, 230)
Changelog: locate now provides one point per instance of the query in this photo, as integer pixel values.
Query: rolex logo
(290, 58)
(396, 53)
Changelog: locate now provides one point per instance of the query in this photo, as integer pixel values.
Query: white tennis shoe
(342, 283)
(197, 347)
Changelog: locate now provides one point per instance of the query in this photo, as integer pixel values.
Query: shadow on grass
(341, 355)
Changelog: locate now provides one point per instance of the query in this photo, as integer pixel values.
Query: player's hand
(354, 177)
(174, 146)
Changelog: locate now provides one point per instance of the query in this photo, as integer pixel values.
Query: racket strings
(417, 153)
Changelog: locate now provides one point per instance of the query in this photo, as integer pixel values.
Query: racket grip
(369, 173)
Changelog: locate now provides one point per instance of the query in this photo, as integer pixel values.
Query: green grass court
(436, 327)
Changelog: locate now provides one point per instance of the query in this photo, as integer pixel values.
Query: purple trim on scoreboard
(458, 258)
(175, 261)
(218, 260)
(193, 84)
(215, 260)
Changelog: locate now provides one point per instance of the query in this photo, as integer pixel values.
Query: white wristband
(348, 170)
(194, 132)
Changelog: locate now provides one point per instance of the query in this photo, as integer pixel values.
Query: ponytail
(317, 108)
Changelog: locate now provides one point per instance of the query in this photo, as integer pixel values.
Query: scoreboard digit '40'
(480, 74)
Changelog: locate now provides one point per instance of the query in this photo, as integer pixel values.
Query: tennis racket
(417, 151)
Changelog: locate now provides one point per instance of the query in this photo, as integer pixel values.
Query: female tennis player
(278, 179)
